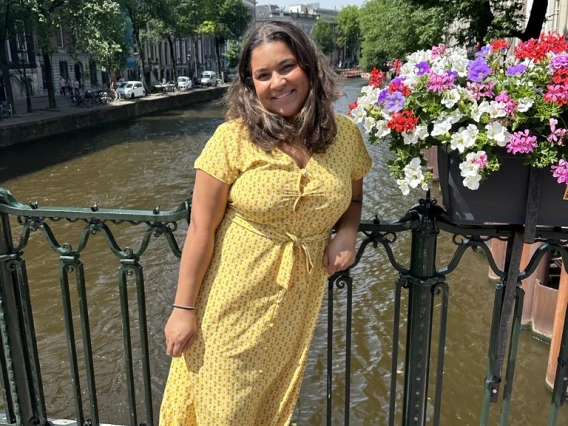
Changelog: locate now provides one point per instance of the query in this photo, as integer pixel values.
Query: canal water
(149, 162)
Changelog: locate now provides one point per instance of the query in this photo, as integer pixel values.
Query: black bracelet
(186, 308)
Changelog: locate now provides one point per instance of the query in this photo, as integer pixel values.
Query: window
(60, 36)
(93, 72)
(64, 70)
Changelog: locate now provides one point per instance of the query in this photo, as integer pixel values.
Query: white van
(209, 78)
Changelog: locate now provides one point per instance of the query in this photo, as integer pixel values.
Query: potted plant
(492, 117)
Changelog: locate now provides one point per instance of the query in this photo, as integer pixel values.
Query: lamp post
(22, 56)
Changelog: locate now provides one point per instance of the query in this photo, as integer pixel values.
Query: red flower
(352, 106)
(403, 121)
(560, 76)
(499, 44)
(538, 49)
(399, 86)
(377, 78)
(557, 93)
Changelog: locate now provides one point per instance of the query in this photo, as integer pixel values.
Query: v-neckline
(291, 159)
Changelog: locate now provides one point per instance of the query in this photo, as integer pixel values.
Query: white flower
(413, 173)
(450, 98)
(476, 112)
(525, 104)
(369, 124)
(464, 138)
(472, 182)
(425, 186)
(410, 138)
(382, 129)
(441, 128)
(497, 132)
(359, 114)
(413, 137)
(421, 132)
(403, 185)
(454, 116)
(496, 109)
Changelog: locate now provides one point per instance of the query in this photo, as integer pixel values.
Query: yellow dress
(261, 296)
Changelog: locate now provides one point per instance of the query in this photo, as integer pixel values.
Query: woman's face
(281, 85)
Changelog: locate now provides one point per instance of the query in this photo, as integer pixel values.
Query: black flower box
(502, 197)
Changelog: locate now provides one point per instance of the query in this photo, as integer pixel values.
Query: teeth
(283, 96)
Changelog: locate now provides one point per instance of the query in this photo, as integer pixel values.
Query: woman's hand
(340, 253)
(181, 331)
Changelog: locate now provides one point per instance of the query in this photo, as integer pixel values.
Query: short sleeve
(361, 159)
(218, 157)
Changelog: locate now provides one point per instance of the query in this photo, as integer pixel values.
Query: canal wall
(75, 119)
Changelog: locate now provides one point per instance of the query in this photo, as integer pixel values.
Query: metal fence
(21, 378)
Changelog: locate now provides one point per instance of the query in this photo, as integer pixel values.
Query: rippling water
(149, 162)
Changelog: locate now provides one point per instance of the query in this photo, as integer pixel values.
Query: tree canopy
(323, 36)
(394, 28)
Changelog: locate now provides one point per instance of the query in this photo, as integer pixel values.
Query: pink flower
(560, 171)
(439, 83)
(556, 135)
(480, 90)
(521, 142)
(480, 159)
(502, 97)
(511, 107)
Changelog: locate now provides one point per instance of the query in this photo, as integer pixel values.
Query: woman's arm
(207, 210)
(340, 253)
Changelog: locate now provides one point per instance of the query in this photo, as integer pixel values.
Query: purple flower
(395, 102)
(478, 70)
(423, 68)
(516, 70)
(397, 80)
(452, 74)
(382, 95)
(483, 52)
(558, 62)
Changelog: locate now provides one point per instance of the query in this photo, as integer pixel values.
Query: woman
(270, 185)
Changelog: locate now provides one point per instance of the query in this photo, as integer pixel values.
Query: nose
(277, 81)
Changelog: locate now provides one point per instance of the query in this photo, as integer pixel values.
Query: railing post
(421, 280)
(16, 357)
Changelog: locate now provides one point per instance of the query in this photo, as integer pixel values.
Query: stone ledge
(41, 128)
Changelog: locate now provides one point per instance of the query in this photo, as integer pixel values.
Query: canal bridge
(413, 334)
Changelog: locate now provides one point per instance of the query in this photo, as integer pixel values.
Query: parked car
(231, 75)
(184, 83)
(209, 78)
(131, 89)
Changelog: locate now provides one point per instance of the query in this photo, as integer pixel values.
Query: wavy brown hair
(315, 122)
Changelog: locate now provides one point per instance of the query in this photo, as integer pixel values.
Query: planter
(502, 197)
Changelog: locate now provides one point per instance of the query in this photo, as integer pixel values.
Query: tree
(227, 21)
(8, 8)
(481, 20)
(99, 29)
(348, 29)
(233, 54)
(96, 26)
(141, 13)
(394, 28)
(323, 36)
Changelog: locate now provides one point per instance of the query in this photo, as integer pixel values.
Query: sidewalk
(64, 107)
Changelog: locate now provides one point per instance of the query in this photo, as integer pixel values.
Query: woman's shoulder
(345, 122)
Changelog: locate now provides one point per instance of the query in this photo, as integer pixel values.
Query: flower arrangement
(476, 107)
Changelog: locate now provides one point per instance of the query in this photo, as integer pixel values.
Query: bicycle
(5, 111)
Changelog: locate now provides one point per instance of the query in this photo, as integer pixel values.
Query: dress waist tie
(290, 240)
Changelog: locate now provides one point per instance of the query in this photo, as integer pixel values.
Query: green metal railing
(20, 373)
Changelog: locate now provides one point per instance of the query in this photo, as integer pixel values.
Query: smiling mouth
(283, 96)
